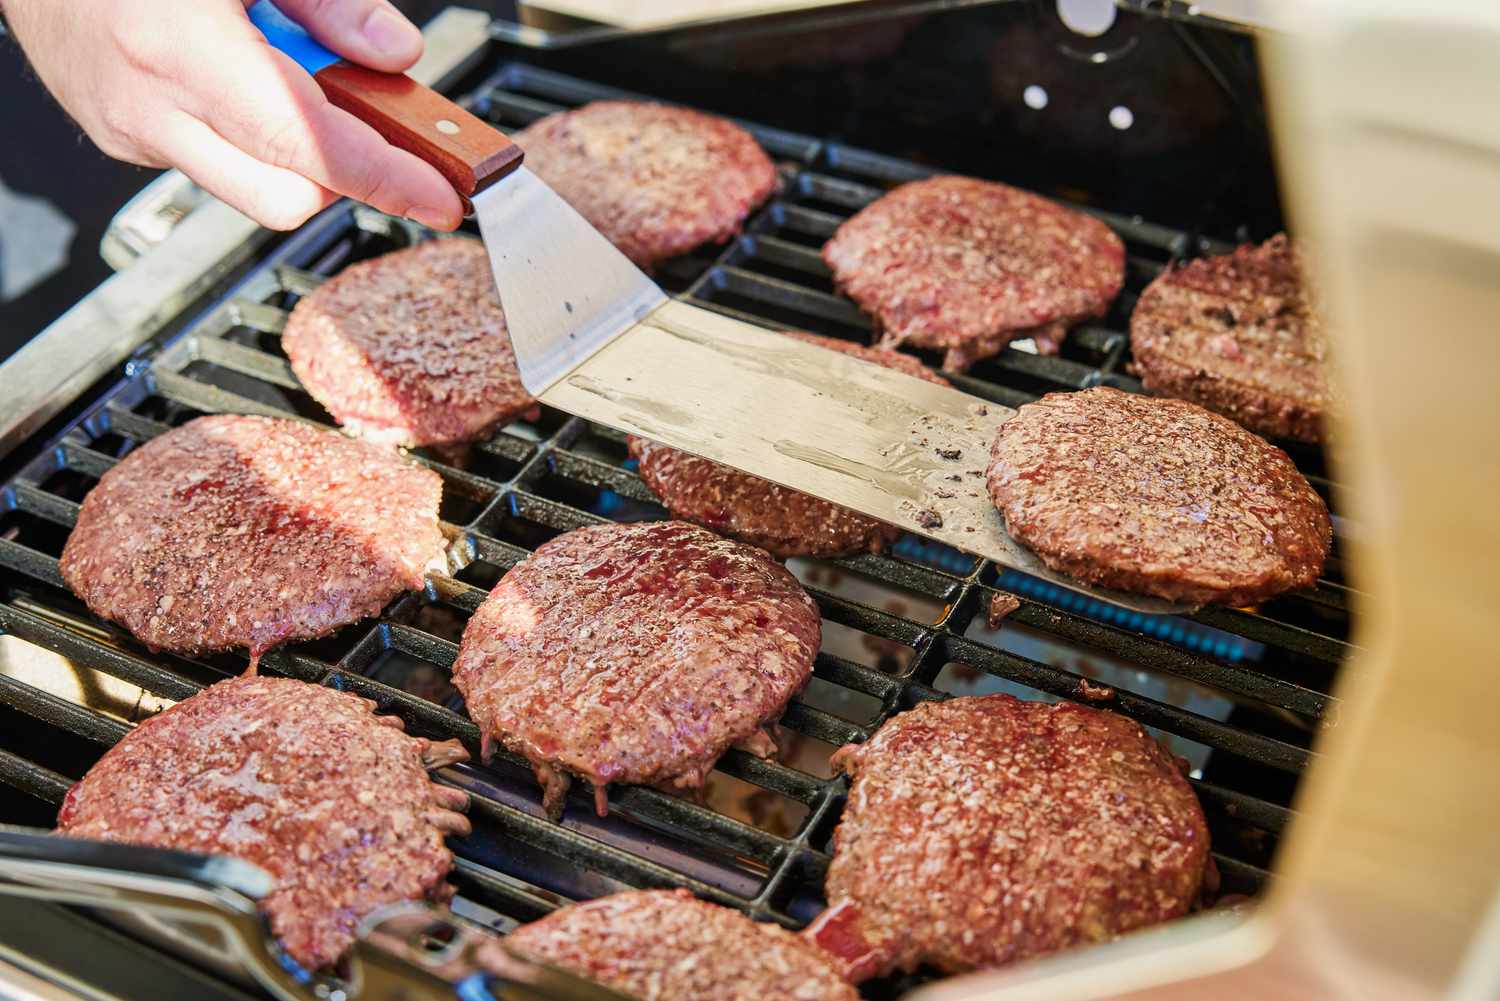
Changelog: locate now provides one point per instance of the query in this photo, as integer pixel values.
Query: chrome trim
(1242, 16)
(149, 218)
(19, 984)
(107, 325)
(731, 28)
(110, 322)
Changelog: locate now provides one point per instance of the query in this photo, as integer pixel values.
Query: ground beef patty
(986, 829)
(410, 348)
(1236, 334)
(636, 653)
(786, 522)
(655, 179)
(250, 532)
(666, 945)
(968, 266)
(1157, 497)
(306, 782)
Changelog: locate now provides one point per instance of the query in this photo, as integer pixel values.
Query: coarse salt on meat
(306, 782)
(636, 653)
(783, 521)
(235, 531)
(986, 829)
(656, 180)
(967, 266)
(1237, 333)
(1158, 497)
(666, 945)
(411, 347)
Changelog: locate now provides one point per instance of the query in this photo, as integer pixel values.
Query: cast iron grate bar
(34, 780)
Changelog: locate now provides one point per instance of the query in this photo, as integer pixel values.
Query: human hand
(193, 84)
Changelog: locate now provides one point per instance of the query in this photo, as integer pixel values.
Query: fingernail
(431, 218)
(389, 32)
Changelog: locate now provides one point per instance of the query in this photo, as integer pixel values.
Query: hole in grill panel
(33, 532)
(332, 648)
(498, 464)
(292, 402)
(257, 340)
(845, 703)
(165, 411)
(885, 595)
(880, 653)
(481, 573)
(597, 499)
(414, 676)
(759, 808)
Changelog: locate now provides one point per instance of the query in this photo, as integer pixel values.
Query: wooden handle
(469, 152)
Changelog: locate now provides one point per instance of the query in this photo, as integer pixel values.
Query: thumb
(369, 32)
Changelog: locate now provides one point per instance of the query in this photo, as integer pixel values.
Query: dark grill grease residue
(786, 522)
(251, 532)
(636, 653)
(1000, 607)
(1157, 497)
(304, 781)
(968, 266)
(656, 180)
(410, 347)
(983, 830)
(666, 945)
(1236, 334)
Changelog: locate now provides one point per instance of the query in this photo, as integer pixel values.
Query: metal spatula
(594, 336)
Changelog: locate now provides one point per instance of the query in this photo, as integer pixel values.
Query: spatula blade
(594, 336)
(881, 442)
(566, 290)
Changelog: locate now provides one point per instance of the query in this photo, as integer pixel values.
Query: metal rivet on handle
(446, 127)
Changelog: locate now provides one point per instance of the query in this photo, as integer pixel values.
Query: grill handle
(209, 893)
(404, 951)
(465, 149)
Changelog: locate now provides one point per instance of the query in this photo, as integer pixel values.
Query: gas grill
(1239, 693)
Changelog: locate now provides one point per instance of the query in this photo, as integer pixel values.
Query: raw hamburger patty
(250, 532)
(655, 179)
(785, 522)
(1157, 496)
(306, 782)
(636, 653)
(969, 266)
(1236, 334)
(986, 829)
(410, 348)
(666, 945)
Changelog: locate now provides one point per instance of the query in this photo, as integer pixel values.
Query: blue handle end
(289, 37)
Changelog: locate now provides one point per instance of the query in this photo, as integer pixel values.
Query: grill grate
(1240, 693)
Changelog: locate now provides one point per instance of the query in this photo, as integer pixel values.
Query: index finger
(268, 106)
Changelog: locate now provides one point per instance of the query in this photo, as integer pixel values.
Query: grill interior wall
(906, 626)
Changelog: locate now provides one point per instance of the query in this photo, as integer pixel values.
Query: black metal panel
(1245, 691)
(1001, 90)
